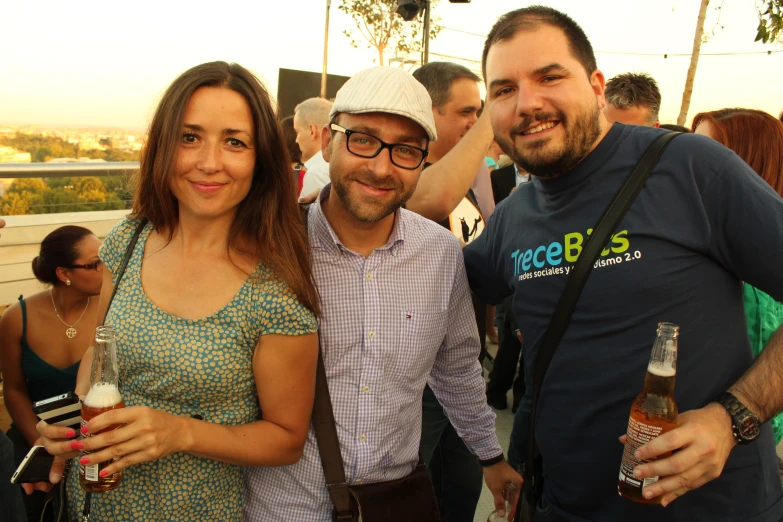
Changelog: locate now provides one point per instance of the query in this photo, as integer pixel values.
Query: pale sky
(107, 63)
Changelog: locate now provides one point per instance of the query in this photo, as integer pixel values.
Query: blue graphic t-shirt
(703, 223)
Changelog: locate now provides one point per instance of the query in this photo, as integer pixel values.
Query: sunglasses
(89, 266)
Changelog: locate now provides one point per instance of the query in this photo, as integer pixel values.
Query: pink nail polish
(70, 433)
(76, 445)
(103, 473)
(85, 430)
(84, 461)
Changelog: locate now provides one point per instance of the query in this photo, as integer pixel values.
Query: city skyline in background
(97, 65)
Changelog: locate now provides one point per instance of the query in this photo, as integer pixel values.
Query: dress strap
(24, 319)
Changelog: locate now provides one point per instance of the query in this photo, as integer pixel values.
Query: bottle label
(91, 473)
(638, 435)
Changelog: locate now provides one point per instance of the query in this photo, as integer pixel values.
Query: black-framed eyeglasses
(89, 266)
(368, 146)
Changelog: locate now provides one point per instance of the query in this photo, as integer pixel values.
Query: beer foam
(103, 395)
(661, 370)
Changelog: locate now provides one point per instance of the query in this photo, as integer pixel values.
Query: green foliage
(55, 195)
(381, 27)
(32, 185)
(770, 27)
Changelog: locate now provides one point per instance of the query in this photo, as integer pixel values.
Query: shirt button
(368, 277)
(363, 437)
(336, 255)
(357, 481)
(372, 335)
(366, 389)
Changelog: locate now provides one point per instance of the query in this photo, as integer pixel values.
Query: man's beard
(370, 212)
(577, 143)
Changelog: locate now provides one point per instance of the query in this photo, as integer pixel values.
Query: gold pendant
(70, 332)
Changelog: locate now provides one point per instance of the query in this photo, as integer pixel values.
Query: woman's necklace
(71, 331)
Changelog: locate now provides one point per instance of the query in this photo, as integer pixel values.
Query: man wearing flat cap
(397, 312)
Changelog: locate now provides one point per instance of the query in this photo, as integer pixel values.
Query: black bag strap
(124, 265)
(329, 445)
(326, 430)
(561, 317)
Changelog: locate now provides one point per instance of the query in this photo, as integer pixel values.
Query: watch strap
(735, 408)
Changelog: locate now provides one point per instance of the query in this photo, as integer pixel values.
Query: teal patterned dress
(186, 367)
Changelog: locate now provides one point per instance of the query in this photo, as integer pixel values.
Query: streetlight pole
(425, 55)
(326, 50)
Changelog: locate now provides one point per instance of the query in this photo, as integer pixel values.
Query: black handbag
(532, 489)
(410, 499)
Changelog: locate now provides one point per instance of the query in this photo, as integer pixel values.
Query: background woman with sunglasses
(43, 337)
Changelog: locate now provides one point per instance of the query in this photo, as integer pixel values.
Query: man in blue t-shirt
(703, 223)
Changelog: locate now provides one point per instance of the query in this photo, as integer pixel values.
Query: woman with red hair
(757, 138)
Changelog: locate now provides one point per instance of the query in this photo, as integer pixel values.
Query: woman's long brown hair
(755, 136)
(267, 224)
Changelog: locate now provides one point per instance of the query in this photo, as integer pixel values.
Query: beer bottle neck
(663, 359)
(662, 368)
(104, 359)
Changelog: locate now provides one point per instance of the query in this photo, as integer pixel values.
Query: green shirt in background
(764, 316)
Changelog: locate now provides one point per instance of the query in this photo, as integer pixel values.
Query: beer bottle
(104, 395)
(653, 413)
(509, 494)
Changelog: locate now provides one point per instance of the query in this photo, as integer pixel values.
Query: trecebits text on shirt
(569, 250)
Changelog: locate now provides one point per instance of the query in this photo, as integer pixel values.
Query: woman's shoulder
(123, 231)
(34, 302)
(11, 318)
(276, 306)
(116, 242)
(265, 282)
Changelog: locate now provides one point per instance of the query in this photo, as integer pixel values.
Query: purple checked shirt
(390, 323)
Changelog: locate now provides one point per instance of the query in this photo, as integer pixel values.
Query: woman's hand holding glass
(143, 434)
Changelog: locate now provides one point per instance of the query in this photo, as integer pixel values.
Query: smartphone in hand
(35, 466)
(62, 410)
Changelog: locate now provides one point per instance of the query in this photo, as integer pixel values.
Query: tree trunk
(686, 94)
(380, 48)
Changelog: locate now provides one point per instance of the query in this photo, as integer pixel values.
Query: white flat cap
(386, 89)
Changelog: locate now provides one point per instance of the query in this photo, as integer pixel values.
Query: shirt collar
(325, 237)
(520, 178)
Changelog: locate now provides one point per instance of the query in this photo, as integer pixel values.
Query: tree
(14, 204)
(381, 27)
(32, 185)
(770, 27)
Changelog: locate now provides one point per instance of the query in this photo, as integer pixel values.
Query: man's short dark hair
(634, 90)
(437, 78)
(530, 19)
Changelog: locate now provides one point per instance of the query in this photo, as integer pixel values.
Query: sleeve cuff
(493, 460)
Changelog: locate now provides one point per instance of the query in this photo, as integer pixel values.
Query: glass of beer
(654, 412)
(509, 494)
(104, 395)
